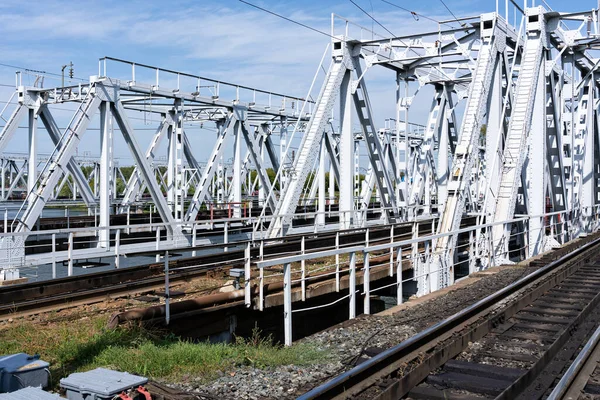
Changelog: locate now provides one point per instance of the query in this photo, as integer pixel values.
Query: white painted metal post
(70, 255)
(367, 284)
(303, 269)
(247, 277)
(117, 245)
(194, 239)
(399, 295)
(54, 256)
(352, 285)
(5, 220)
(226, 235)
(391, 251)
(428, 266)
(3, 180)
(261, 288)
(157, 257)
(167, 291)
(337, 262)
(128, 219)
(287, 303)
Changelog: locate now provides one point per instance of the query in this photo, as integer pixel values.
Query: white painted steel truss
(512, 129)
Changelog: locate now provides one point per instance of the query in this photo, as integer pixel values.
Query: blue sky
(222, 39)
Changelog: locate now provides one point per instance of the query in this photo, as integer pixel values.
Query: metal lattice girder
(245, 167)
(254, 150)
(554, 146)
(20, 177)
(11, 125)
(78, 177)
(446, 147)
(128, 134)
(134, 184)
(331, 144)
(534, 184)
(307, 152)
(189, 155)
(518, 130)
(463, 159)
(248, 159)
(374, 149)
(432, 133)
(37, 199)
(270, 147)
(225, 128)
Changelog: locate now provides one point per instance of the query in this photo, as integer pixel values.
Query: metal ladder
(516, 137)
(308, 150)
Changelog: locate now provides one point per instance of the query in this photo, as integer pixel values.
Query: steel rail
(353, 378)
(566, 383)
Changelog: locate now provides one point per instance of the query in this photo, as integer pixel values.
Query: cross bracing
(509, 126)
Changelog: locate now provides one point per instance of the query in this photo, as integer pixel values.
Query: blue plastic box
(18, 371)
(30, 394)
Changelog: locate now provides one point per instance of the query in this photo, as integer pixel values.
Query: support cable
(451, 13)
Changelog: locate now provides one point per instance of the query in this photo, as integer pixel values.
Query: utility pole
(70, 65)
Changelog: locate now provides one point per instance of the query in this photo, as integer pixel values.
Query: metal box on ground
(18, 371)
(99, 384)
(29, 394)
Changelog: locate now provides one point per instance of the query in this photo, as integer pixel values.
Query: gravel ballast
(345, 343)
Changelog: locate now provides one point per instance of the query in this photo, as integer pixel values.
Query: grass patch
(85, 344)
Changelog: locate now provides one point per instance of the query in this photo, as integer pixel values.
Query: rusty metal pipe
(144, 314)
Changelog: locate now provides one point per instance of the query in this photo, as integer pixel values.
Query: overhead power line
(287, 19)
(373, 18)
(450, 11)
(416, 15)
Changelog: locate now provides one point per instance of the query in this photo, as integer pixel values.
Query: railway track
(582, 379)
(514, 344)
(35, 297)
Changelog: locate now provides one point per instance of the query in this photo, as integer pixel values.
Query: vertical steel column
(172, 165)
(331, 188)
(3, 180)
(282, 153)
(536, 173)
(261, 188)
(321, 202)
(32, 162)
(106, 150)
(346, 154)
(237, 171)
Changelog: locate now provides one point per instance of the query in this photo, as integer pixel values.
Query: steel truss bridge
(525, 146)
